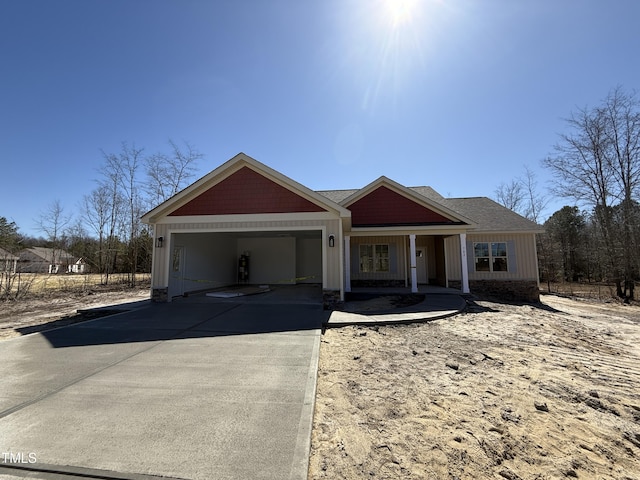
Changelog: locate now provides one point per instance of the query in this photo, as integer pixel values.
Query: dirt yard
(502, 391)
(58, 308)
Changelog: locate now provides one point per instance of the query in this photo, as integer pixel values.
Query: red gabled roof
(246, 192)
(385, 207)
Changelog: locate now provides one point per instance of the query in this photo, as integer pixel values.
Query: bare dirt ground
(502, 391)
(60, 308)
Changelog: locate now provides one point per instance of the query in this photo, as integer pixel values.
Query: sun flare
(400, 12)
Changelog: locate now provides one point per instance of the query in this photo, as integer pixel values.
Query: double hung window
(490, 256)
(374, 258)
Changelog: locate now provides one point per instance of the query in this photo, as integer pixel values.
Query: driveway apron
(195, 391)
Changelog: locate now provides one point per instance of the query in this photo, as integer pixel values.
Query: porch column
(463, 261)
(347, 263)
(412, 261)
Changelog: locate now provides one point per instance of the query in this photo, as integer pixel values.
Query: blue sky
(456, 94)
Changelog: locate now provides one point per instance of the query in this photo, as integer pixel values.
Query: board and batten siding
(329, 226)
(524, 252)
(397, 258)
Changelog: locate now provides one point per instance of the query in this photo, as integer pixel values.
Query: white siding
(525, 257)
(397, 258)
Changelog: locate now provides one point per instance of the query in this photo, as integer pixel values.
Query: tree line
(595, 165)
(107, 232)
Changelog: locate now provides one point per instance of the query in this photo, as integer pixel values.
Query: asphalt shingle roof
(490, 215)
(486, 213)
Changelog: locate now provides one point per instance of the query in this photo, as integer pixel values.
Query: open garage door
(212, 259)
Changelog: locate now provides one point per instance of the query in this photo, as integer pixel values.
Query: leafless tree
(522, 196)
(169, 173)
(598, 164)
(53, 221)
(121, 175)
(535, 201)
(100, 211)
(510, 195)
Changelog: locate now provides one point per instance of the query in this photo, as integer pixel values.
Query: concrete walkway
(189, 390)
(435, 306)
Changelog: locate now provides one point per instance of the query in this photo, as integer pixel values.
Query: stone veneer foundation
(510, 290)
(160, 295)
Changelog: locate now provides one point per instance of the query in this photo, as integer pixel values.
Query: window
(374, 258)
(490, 257)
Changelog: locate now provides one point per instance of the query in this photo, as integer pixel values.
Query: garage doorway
(274, 258)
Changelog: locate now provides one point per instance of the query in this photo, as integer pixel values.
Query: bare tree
(52, 222)
(598, 164)
(121, 172)
(169, 173)
(522, 196)
(510, 195)
(100, 216)
(535, 202)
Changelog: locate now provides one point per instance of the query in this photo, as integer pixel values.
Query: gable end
(384, 207)
(246, 192)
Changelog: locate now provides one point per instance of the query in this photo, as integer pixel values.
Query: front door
(421, 265)
(176, 272)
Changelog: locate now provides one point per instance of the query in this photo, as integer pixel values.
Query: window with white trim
(490, 256)
(374, 258)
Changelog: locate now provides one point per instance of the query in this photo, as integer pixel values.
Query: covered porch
(403, 262)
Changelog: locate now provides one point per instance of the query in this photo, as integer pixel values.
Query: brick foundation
(160, 295)
(510, 290)
(331, 300)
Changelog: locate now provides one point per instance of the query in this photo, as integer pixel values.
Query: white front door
(176, 272)
(421, 265)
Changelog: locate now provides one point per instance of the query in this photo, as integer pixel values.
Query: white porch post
(347, 263)
(463, 261)
(412, 260)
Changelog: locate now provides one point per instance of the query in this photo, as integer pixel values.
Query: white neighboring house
(8, 262)
(49, 260)
(79, 266)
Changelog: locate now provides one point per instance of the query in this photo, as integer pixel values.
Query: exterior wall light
(332, 240)
(159, 241)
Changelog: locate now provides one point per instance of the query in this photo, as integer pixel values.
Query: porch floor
(439, 302)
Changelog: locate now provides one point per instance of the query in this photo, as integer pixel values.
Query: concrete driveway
(195, 389)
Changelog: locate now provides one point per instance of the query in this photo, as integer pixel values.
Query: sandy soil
(502, 391)
(60, 308)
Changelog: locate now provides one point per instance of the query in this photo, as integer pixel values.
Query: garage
(285, 234)
(210, 260)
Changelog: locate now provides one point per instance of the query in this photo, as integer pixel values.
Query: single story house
(246, 222)
(49, 260)
(8, 261)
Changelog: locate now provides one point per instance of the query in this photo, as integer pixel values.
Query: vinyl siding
(524, 253)
(396, 258)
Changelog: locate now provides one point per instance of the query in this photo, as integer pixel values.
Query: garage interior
(211, 260)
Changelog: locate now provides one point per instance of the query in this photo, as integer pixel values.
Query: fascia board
(408, 230)
(251, 217)
(508, 232)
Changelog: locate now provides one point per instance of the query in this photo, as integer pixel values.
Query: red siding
(386, 207)
(244, 192)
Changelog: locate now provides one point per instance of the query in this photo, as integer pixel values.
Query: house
(246, 222)
(49, 260)
(8, 262)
